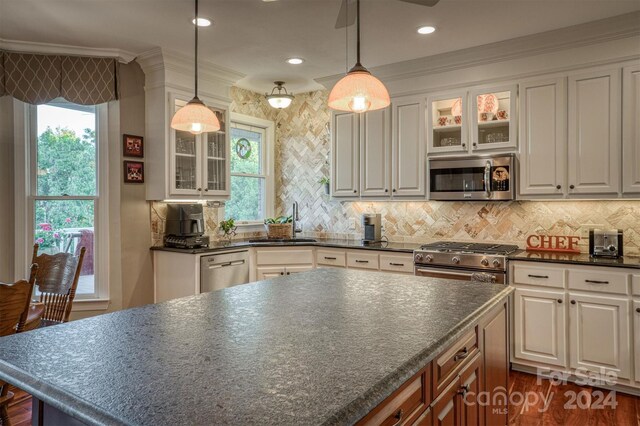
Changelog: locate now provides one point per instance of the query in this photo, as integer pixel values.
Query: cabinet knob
(386, 190)
(199, 189)
(559, 300)
(475, 144)
(355, 190)
(464, 145)
(558, 186)
(206, 190)
(573, 302)
(394, 190)
(572, 186)
(638, 310)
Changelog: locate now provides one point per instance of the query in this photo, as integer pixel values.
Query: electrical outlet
(352, 224)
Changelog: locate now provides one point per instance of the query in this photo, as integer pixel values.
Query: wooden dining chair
(57, 281)
(14, 305)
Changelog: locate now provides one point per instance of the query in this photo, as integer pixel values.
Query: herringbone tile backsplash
(302, 158)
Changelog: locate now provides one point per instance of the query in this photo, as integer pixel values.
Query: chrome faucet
(295, 215)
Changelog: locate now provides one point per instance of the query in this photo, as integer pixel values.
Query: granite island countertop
(331, 243)
(321, 347)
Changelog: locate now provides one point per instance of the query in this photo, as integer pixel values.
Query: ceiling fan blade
(428, 3)
(347, 14)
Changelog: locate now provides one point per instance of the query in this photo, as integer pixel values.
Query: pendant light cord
(196, 54)
(357, 30)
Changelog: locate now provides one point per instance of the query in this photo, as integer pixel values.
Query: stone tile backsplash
(301, 159)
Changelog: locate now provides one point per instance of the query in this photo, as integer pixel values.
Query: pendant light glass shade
(196, 118)
(358, 91)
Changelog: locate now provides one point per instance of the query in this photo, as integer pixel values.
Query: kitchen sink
(283, 240)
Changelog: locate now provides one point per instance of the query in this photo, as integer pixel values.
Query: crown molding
(590, 33)
(159, 59)
(123, 56)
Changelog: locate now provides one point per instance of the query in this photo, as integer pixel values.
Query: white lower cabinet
(266, 272)
(599, 334)
(576, 319)
(540, 326)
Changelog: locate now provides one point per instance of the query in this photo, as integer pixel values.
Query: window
(64, 196)
(251, 199)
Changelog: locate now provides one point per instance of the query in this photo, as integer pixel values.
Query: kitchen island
(323, 347)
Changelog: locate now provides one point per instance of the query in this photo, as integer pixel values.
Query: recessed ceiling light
(295, 61)
(427, 29)
(202, 22)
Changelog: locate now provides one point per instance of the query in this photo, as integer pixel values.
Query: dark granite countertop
(345, 244)
(576, 259)
(321, 347)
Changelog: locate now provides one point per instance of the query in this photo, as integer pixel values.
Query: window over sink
(252, 193)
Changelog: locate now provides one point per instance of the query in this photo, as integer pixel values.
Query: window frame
(26, 195)
(267, 167)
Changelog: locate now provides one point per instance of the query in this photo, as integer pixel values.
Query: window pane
(246, 151)
(66, 150)
(66, 226)
(247, 198)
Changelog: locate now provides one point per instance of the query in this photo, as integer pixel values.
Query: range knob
(455, 260)
(496, 263)
(418, 257)
(484, 262)
(429, 258)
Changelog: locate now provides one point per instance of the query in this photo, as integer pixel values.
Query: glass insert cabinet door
(493, 115)
(447, 122)
(199, 163)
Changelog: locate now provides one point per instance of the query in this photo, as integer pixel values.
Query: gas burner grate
(453, 246)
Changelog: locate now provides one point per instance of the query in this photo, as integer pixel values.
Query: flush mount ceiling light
(358, 91)
(279, 100)
(195, 117)
(427, 29)
(201, 22)
(295, 61)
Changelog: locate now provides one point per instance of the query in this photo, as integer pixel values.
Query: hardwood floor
(546, 408)
(550, 404)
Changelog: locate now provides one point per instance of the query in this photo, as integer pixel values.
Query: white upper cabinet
(543, 141)
(345, 154)
(186, 166)
(409, 151)
(594, 132)
(199, 164)
(375, 143)
(631, 131)
(493, 118)
(448, 122)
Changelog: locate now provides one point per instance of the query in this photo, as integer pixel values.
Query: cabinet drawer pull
(396, 264)
(462, 354)
(281, 273)
(638, 310)
(596, 282)
(464, 389)
(361, 261)
(330, 258)
(398, 416)
(288, 273)
(546, 277)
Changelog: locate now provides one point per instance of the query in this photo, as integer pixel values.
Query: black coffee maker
(185, 226)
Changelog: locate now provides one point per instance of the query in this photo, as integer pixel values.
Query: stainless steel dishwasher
(218, 271)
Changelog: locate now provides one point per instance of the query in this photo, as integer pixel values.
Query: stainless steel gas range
(463, 261)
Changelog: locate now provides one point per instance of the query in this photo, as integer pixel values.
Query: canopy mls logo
(499, 398)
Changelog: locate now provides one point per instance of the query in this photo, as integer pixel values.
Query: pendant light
(279, 100)
(195, 116)
(358, 91)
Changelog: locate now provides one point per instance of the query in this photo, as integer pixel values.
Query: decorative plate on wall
(488, 103)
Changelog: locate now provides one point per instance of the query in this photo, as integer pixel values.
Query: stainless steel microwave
(472, 178)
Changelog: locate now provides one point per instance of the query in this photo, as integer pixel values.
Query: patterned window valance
(38, 79)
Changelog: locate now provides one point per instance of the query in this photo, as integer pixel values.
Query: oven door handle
(441, 272)
(487, 179)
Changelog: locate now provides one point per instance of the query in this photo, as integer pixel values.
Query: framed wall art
(132, 146)
(133, 172)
